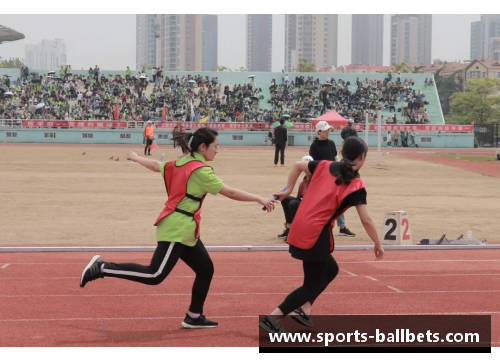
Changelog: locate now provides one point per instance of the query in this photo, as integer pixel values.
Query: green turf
(480, 158)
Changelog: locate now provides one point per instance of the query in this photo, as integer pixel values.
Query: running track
(43, 305)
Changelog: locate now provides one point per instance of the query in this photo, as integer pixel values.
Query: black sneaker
(346, 232)
(200, 322)
(285, 234)
(92, 271)
(271, 327)
(302, 318)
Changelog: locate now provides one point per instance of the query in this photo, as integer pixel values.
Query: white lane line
(436, 275)
(219, 317)
(4, 266)
(348, 272)
(395, 289)
(388, 286)
(235, 293)
(420, 261)
(274, 263)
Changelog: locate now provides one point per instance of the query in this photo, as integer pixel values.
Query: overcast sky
(109, 40)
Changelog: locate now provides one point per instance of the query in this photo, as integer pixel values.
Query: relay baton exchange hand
(268, 204)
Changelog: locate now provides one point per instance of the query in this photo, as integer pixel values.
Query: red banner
(256, 126)
(419, 127)
(75, 124)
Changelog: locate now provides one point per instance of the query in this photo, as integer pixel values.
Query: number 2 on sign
(389, 235)
(406, 224)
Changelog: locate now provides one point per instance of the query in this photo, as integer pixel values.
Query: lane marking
(274, 263)
(4, 266)
(395, 289)
(436, 276)
(218, 317)
(235, 293)
(348, 272)
(372, 277)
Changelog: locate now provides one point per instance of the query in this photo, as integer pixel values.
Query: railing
(243, 126)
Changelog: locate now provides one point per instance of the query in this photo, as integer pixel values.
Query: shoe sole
(87, 268)
(351, 236)
(266, 328)
(189, 326)
(297, 319)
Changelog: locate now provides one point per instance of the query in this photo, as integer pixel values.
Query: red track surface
(43, 305)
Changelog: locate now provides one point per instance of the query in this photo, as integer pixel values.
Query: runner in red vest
(334, 188)
(187, 181)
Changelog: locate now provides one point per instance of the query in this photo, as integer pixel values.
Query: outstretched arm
(240, 195)
(298, 168)
(150, 164)
(369, 226)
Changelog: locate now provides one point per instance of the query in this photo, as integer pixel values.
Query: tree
(479, 102)
(221, 68)
(447, 86)
(11, 63)
(400, 68)
(242, 69)
(305, 66)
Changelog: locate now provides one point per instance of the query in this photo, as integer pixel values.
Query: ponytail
(347, 173)
(201, 136)
(353, 148)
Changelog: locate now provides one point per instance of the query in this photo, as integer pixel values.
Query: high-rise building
(483, 36)
(47, 55)
(476, 40)
(411, 38)
(290, 40)
(145, 36)
(177, 41)
(311, 37)
(209, 43)
(367, 39)
(259, 42)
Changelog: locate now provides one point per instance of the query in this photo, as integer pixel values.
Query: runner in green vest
(187, 181)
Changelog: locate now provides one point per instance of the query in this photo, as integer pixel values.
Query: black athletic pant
(164, 259)
(279, 151)
(149, 142)
(317, 276)
(290, 206)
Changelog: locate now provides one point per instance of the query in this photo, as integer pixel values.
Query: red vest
(176, 180)
(318, 207)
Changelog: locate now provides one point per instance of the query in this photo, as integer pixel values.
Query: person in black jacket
(324, 148)
(280, 139)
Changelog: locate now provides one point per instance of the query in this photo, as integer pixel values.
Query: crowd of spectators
(95, 96)
(307, 98)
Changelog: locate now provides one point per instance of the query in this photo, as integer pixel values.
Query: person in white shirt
(389, 139)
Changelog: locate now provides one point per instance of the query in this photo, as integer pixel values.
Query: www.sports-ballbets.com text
(400, 336)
